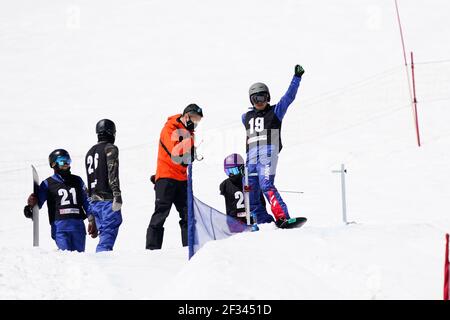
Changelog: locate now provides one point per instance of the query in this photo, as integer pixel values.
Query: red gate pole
(446, 270)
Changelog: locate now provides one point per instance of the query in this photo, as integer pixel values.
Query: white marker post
(246, 196)
(247, 200)
(343, 171)
(35, 227)
(35, 208)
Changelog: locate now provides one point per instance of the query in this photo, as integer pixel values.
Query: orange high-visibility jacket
(175, 141)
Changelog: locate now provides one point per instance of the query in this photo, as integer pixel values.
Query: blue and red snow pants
(262, 165)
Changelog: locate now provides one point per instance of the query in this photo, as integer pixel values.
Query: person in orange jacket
(176, 151)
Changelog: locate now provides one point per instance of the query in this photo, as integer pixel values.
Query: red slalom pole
(416, 117)
(446, 270)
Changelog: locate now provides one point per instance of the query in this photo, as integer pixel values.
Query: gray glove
(117, 203)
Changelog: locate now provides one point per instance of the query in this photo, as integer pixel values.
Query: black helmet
(193, 109)
(105, 126)
(106, 130)
(58, 158)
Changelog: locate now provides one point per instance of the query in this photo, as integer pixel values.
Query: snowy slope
(66, 64)
(353, 262)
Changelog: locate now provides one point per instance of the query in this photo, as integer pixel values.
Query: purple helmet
(233, 164)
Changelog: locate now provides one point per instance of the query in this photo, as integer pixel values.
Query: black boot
(284, 223)
(281, 223)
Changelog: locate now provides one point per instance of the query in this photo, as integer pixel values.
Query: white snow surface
(66, 64)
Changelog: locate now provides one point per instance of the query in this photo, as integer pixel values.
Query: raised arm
(282, 106)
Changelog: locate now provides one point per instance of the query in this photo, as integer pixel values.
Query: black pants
(168, 192)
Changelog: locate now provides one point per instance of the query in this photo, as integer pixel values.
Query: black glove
(299, 71)
(193, 153)
(153, 179)
(28, 212)
(28, 209)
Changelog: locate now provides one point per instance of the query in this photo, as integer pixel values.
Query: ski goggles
(63, 160)
(259, 97)
(232, 171)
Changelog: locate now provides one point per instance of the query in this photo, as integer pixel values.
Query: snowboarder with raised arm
(67, 204)
(263, 143)
(102, 168)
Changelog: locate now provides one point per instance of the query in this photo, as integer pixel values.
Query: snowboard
(293, 223)
(35, 208)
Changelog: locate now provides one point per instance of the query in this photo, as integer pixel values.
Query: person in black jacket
(102, 168)
(232, 190)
